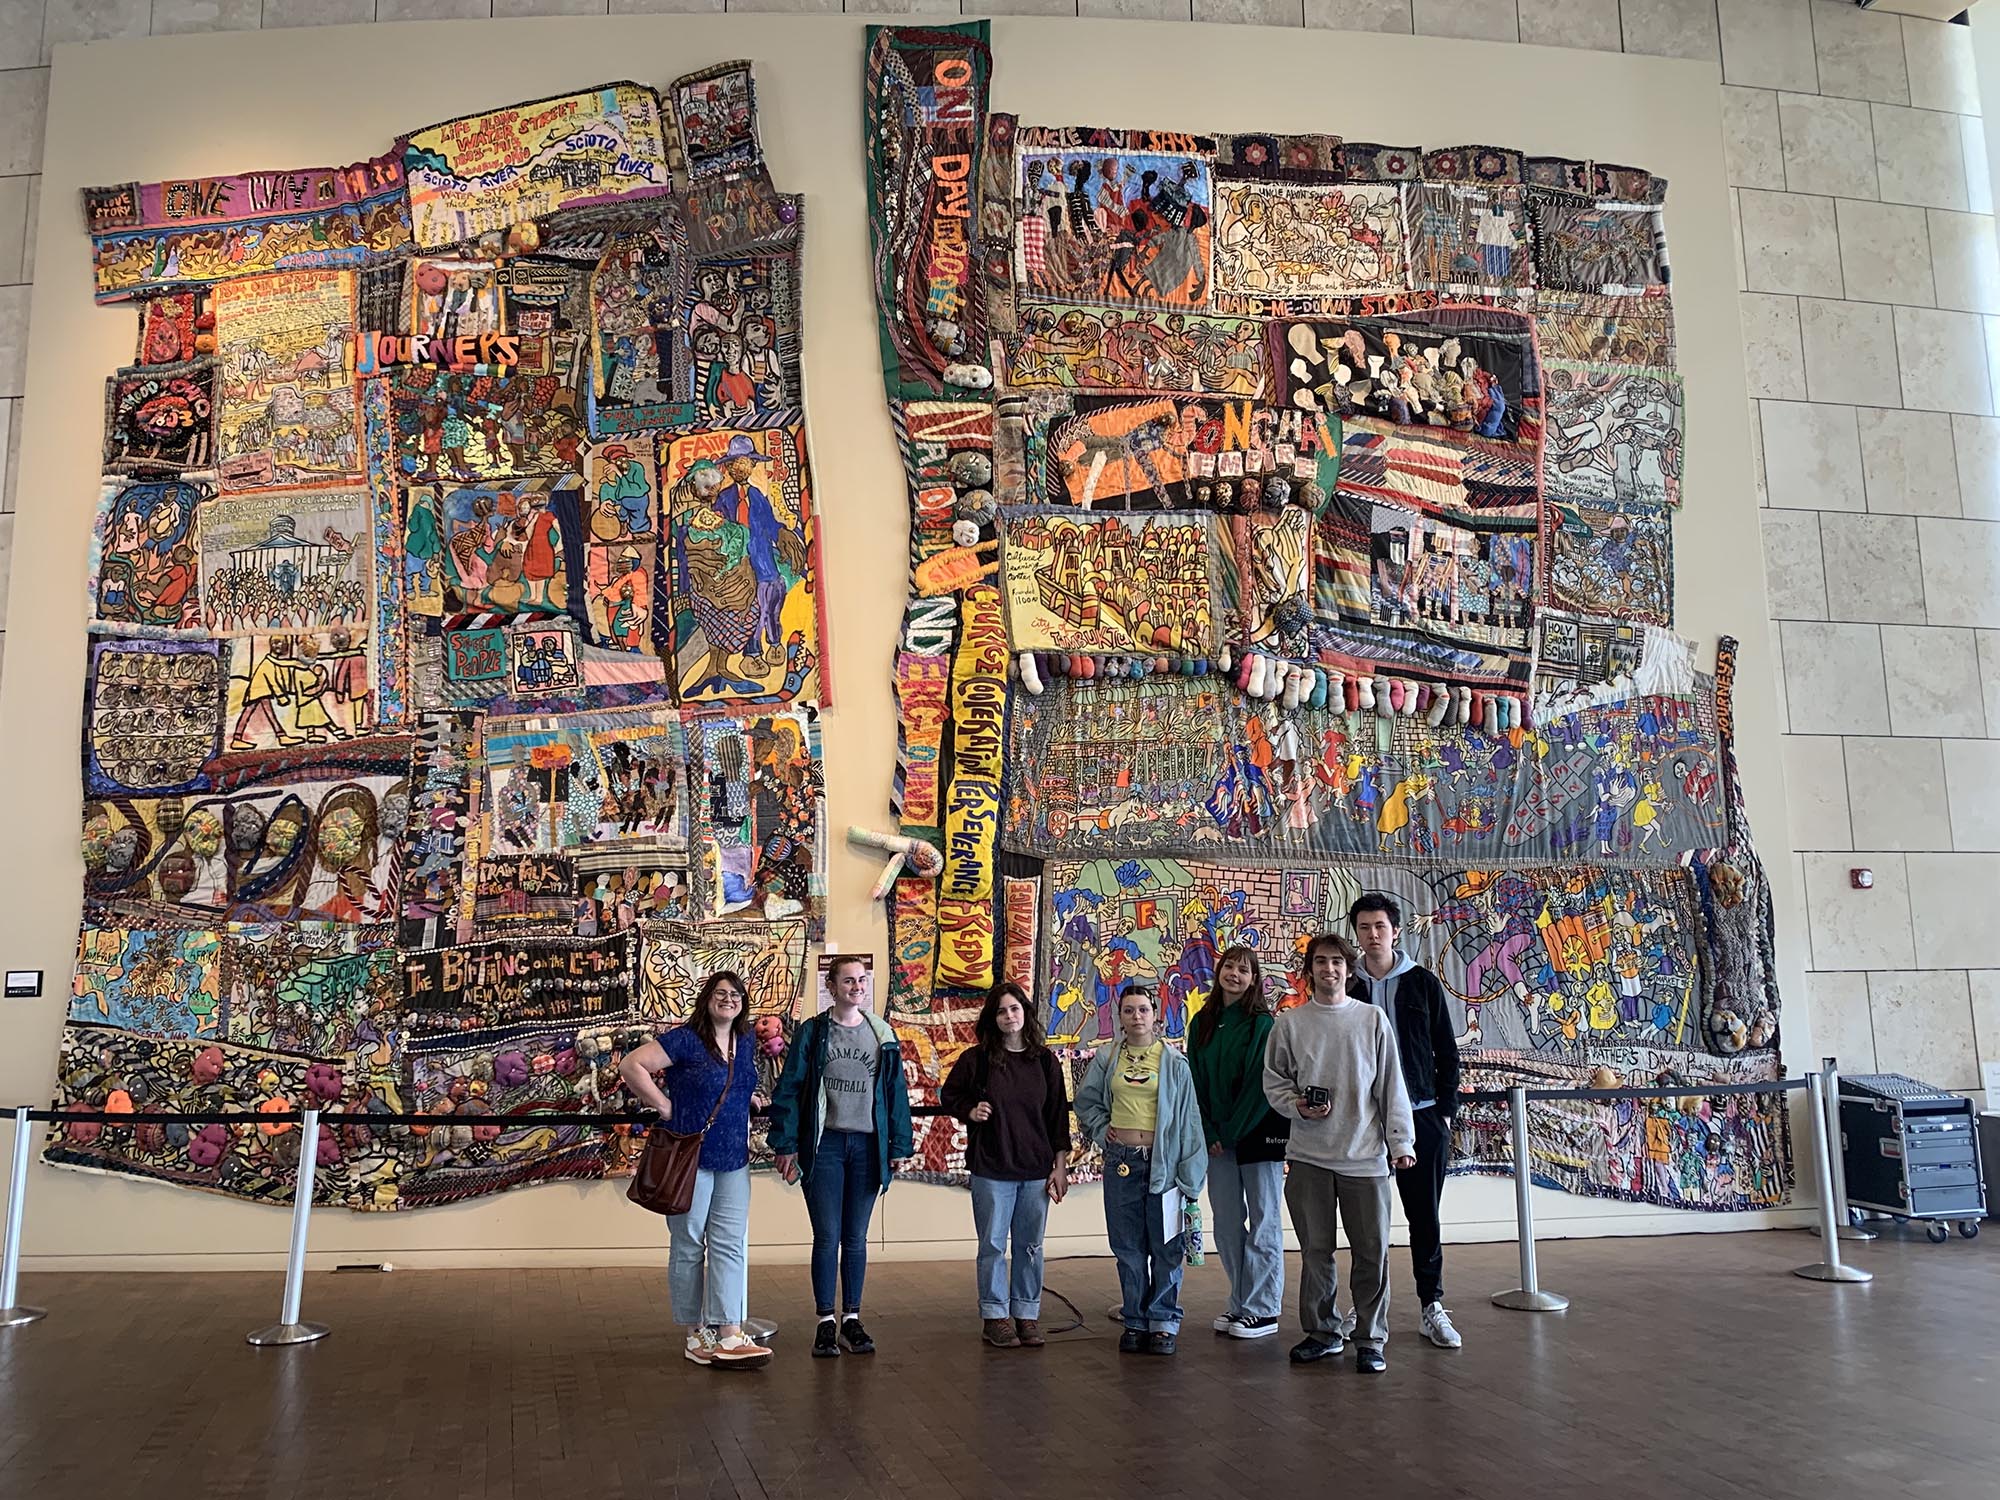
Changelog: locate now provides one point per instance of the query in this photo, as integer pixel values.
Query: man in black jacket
(1428, 1045)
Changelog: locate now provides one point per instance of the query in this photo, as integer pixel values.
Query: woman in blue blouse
(708, 1268)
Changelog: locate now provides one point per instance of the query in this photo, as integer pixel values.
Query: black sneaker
(1368, 1359)
(1161, 1343)
(1253, 1328)
(1131, 1341)
(826, 1342)
(1311, 1349)
(855, 1336)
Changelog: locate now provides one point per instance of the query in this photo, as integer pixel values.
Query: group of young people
(1319, 1106)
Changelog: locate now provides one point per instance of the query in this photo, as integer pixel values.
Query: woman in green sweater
(1246, 1143)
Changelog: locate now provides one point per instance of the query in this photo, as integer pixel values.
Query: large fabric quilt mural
(1328, 490)
(456, 646)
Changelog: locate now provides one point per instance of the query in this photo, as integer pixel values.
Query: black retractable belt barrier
(1529, 1296)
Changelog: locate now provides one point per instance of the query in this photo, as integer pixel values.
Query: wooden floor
(1692, 1366)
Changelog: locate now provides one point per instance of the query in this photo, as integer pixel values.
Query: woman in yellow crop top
(1135, 1093)
(1137, 1101)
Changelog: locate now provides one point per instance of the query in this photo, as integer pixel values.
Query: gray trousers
(1319, 1200)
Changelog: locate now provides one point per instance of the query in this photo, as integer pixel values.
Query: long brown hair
(702, 1023)
(1210, 1015)
(987, 1028)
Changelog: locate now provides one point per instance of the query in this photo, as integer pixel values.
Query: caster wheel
(1855, 1218)
(1968, 1229)
(1901, 1218)
(1937, 1234)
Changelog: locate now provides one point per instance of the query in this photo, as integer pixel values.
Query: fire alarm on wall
(1861, 880)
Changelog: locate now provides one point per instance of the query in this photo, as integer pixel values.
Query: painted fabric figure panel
(1469, 235)
(470, 427)
(286, 560)
(287, 413)
(159, 237)
(494, 170)
(455, 647)
(1276, 241)
(1076, 346)
(1178, 767)
(639, 360)
(1585, 246)
(294, 836)
(584, 780)
(741, 554)
(1115, 224)
(1555, 974)
(1614, 433)
(143, 556)
(502, 545)
(1607, 558)
(1110, 583)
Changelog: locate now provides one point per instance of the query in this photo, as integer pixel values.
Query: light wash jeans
(998, 1209)
(1248, 1200)
(708, 1268)
(1149, 1263)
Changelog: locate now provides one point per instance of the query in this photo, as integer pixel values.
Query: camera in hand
(1314, 1097)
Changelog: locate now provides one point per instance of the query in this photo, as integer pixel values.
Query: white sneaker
(1254, 1328)
(1437, 1326)
(701, 1345)
(1224, 1324)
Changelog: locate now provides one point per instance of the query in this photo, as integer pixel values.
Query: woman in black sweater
(1008, 1088)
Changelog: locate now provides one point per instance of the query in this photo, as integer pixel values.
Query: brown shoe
(1029, 1332)
(1000, 1334)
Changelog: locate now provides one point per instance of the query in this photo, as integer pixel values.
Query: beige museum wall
(273, 99)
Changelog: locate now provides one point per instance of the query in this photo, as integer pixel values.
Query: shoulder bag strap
(736, 1046)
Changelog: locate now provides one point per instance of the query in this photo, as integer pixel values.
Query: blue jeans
(999, 1208)
(840, 1200)
(708, 1268)
(1149, 1263)
(1248, 1201)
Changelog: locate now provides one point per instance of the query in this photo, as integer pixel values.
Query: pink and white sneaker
(739, 1352)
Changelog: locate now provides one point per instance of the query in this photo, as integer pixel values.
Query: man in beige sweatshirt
(1331, 1068)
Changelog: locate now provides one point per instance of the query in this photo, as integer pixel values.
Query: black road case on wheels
(1911, 1150)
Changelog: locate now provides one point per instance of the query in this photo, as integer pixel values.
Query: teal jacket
(1180, 1150)
(798, 1104)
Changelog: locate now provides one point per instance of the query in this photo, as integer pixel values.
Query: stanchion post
(1849, 1230)
(1528, 1296)
(1831, 1268)
(12, 1314)
(288, 1329)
